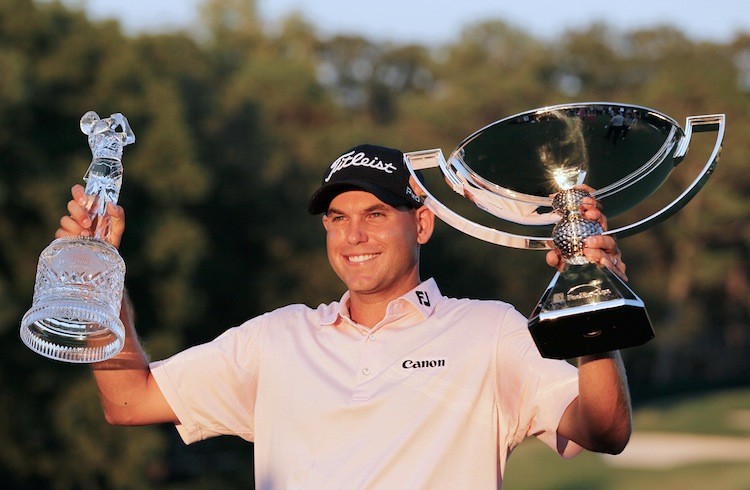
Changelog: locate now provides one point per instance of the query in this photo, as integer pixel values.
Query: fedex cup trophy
(524, 173)
(79, 280)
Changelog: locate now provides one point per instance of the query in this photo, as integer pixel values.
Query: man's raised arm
(127, 390)
(600, 418)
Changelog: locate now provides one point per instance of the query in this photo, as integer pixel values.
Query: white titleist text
(359, 160)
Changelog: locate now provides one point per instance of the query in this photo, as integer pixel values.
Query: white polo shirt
(434, 396)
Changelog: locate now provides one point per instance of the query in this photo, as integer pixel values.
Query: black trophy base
(588, 310)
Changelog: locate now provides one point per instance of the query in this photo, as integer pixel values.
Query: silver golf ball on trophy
(528, 172)
(80, 280)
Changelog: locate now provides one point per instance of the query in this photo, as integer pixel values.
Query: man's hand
(600, 249)
(78, 222)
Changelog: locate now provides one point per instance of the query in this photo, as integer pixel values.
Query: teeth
(361, 258)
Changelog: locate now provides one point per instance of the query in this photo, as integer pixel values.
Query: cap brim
(322, 198)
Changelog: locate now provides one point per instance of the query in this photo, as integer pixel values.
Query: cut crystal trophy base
(75, 313)
(588, 310)
(72, 333)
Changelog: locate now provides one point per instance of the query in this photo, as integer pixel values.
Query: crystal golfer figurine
(79, 280)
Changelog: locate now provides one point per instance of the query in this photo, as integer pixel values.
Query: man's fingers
(69, 226)
(79, 194)
(79, 222)
(592, 210)
(554, 259)
(79, 214)
(603, 250)
(116, 223)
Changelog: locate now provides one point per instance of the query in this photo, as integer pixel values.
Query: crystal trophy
(523, 175)
(75, 314)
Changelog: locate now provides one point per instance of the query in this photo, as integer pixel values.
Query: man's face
(374, 247)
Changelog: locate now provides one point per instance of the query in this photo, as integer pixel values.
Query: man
(626, 123)
(615, 126)
(393, 386)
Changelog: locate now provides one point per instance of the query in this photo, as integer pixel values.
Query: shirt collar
(423, 298)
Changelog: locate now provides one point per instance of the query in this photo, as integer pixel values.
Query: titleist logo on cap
(360, 160)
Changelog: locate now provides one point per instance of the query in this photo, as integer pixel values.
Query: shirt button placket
(364, 369)
(370, 338)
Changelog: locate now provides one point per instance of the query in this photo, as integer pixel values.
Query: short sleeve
(212, 387)
(533, 392)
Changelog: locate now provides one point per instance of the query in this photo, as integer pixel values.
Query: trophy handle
(419, 160)
(698, 124)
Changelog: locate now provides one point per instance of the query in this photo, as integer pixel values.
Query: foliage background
(234, 126)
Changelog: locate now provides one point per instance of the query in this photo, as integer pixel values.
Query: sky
(435, 22)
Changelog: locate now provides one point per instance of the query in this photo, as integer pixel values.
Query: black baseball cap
(378, 170)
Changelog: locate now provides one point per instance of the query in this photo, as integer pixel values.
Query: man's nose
(356, 232)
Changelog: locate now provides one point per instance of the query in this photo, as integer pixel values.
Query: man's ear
(425, 220)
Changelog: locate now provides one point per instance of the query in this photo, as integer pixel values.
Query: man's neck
(367, 314)
(370, 309)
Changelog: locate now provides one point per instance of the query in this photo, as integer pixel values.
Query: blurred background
(236, 116)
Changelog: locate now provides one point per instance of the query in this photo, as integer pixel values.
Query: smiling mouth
(361, 258)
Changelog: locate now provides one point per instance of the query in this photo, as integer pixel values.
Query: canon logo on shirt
(432, 363)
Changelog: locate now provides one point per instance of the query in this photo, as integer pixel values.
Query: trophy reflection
(80, 280)
(525, 171)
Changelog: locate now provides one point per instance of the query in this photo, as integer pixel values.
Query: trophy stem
(103, 182)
